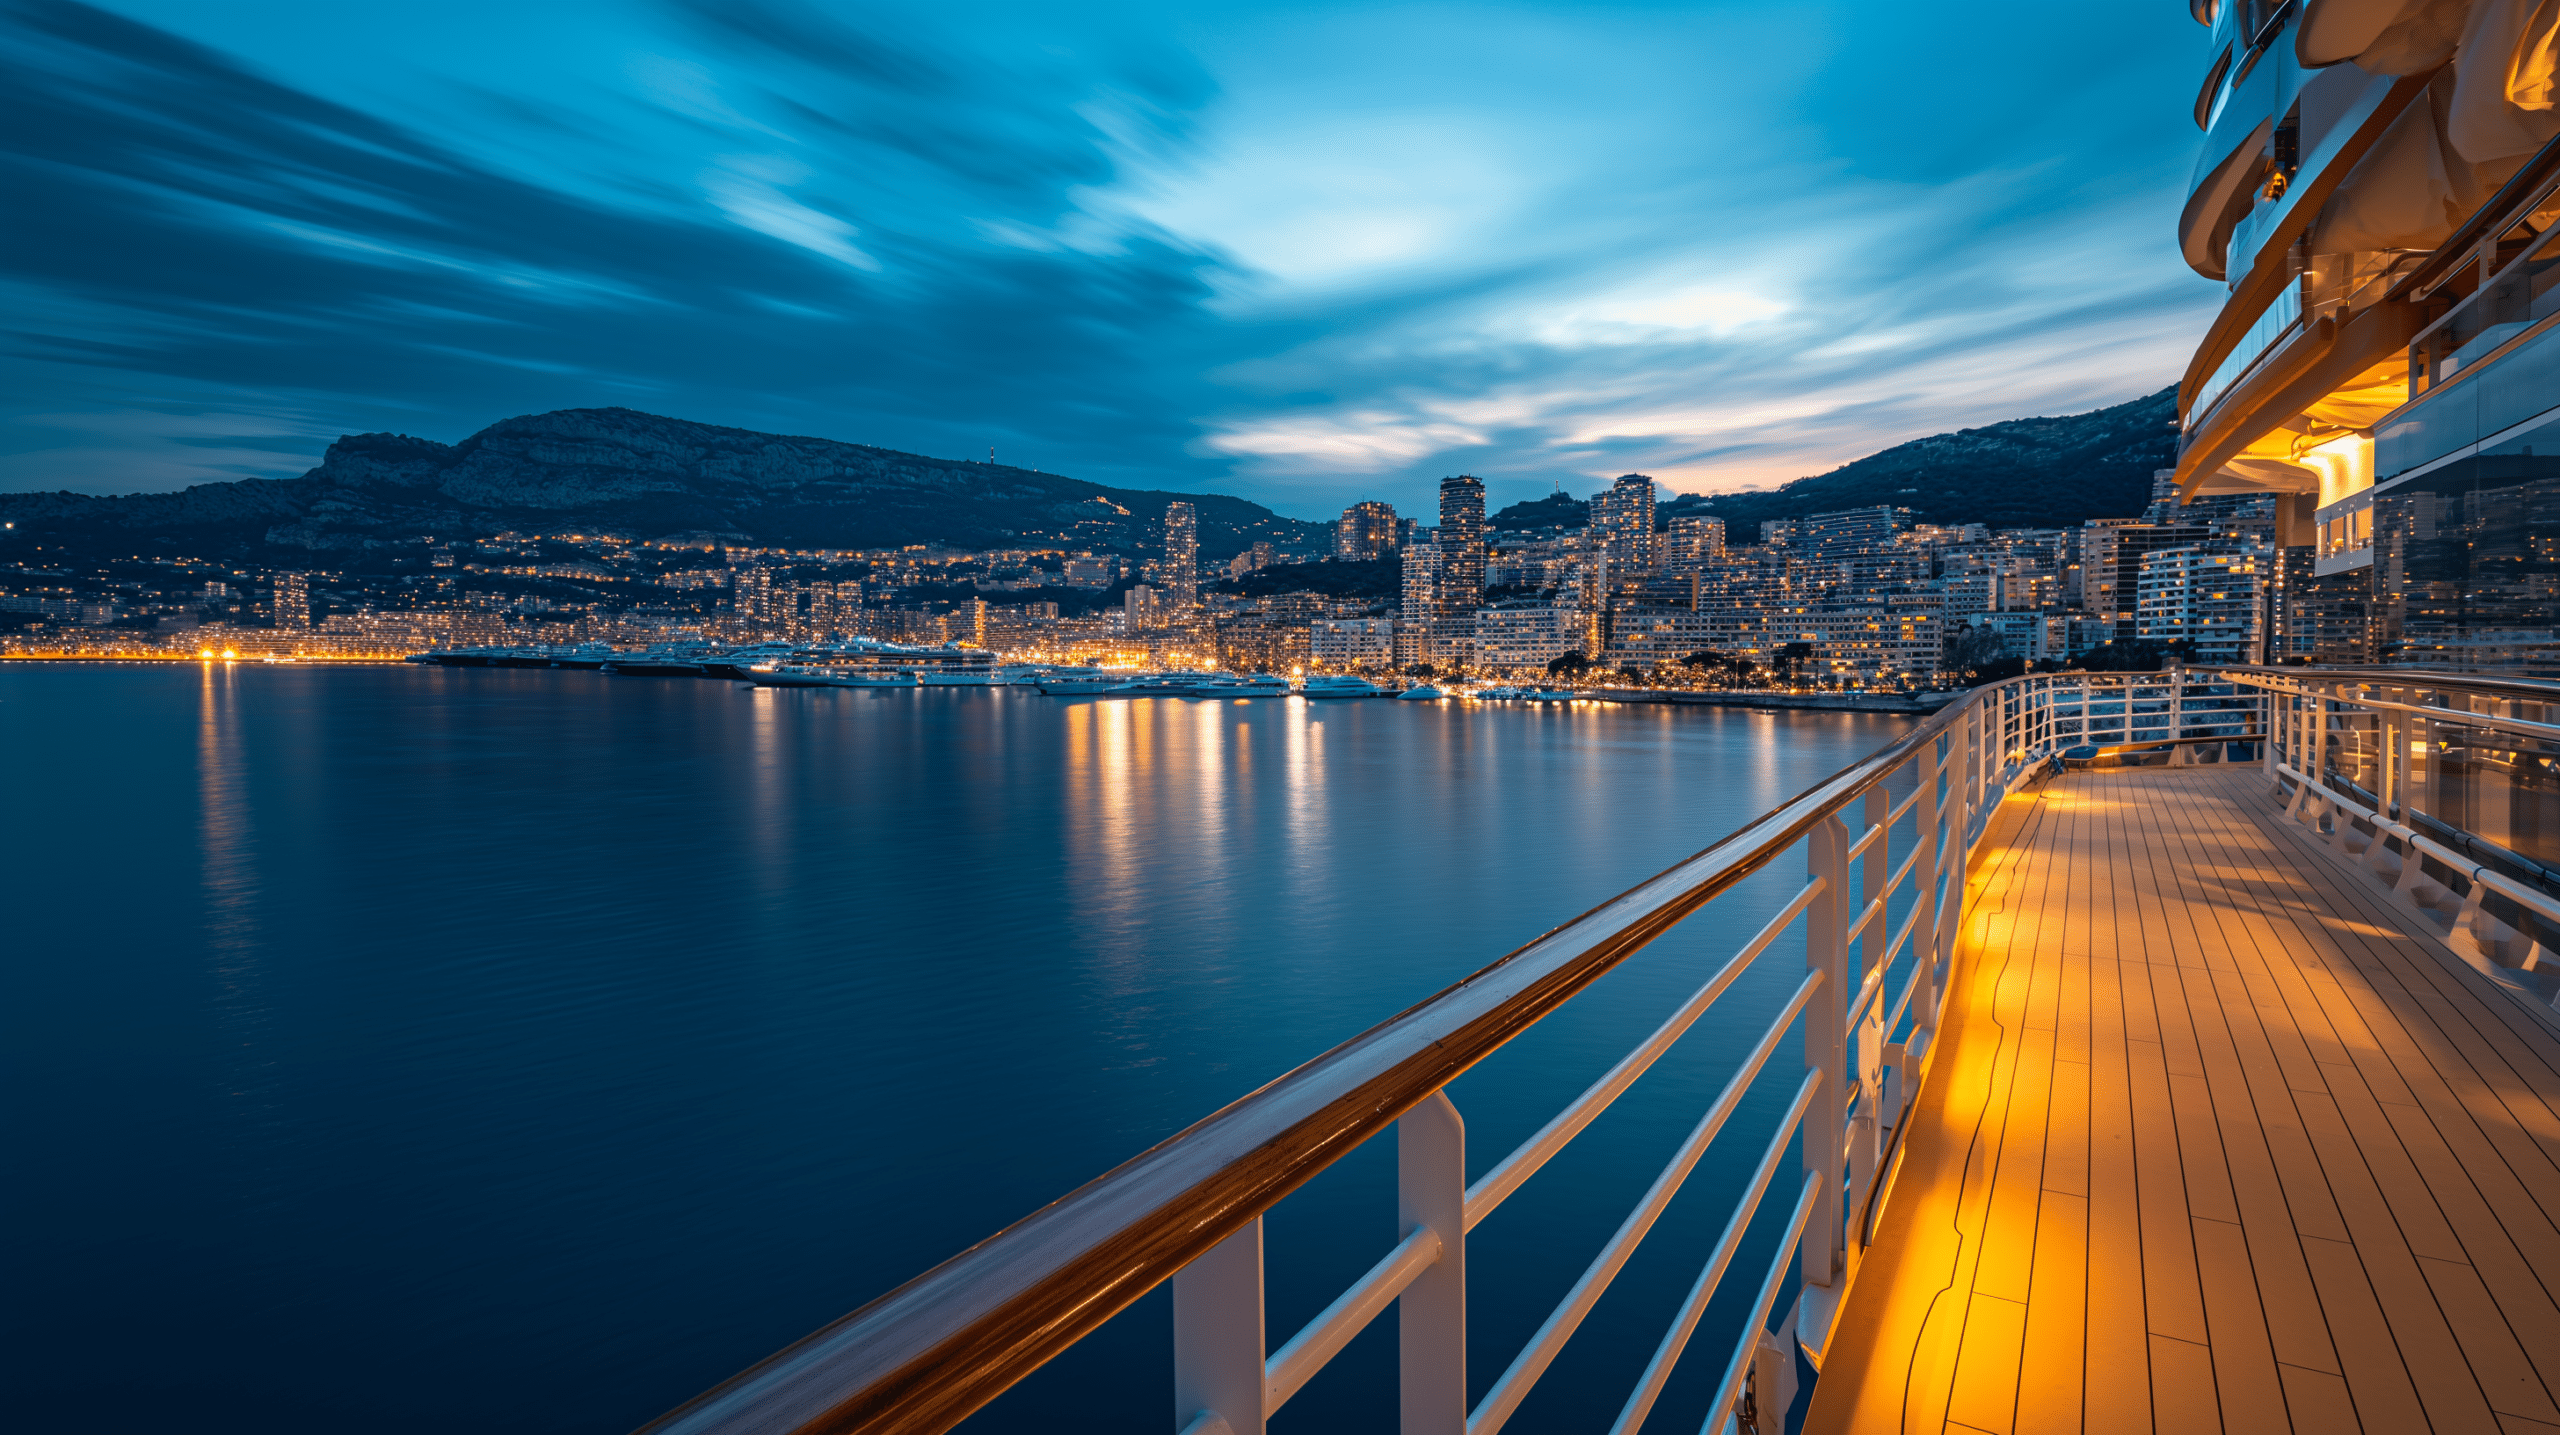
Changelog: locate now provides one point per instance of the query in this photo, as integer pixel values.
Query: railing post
(1217, 1337)
(2416, 796)
(1826, 1049)
(1924, 926)
(2384, 771)
(2268, 715)
(1431, 1315)
(1866, 1134)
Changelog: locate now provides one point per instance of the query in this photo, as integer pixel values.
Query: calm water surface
(411, 1049)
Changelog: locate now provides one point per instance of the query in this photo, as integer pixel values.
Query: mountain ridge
(648, 476)
(618, 469)
(2049, 472)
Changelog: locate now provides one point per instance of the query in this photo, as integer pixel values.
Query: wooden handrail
(924, 1356)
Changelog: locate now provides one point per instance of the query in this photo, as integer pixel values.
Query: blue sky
(1305, 253)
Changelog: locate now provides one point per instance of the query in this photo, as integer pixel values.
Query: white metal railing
(922, 1357)
(2445, 789)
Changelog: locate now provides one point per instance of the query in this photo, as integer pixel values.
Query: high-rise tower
(1622, 518)
(1462, 540)
(1461, 567)
(1181, 556)
(1366, 531)
(293, 600)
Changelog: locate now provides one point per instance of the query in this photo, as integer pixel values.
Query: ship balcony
(2416, 357)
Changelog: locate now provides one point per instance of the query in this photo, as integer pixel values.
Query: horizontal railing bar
(924, 1356)
(1694, 1305)
(1874, 982)
(1908, 862)
(1897, 814)
(1540, 1352)
(1911, 983)
(1496, 1185)
(2412, 838)
(2450, 717)
(2531, 690)
(1321, 1339)
(1874, 835)
(1875, 908)
(1867, 990)
(1730, 1389)
(1902, 935)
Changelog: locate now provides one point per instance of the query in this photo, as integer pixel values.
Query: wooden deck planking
(2217, 1138)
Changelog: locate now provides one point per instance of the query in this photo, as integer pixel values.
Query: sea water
(404, 1048)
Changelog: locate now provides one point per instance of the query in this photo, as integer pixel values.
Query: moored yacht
(1079, 682)
(664, 660)
(1340, 685)
(1160, 685)
(735, 662)
(1229, 685)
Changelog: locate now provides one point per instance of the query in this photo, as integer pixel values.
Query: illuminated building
(1622, 522)
(1522, 638)
(2112, 567)
(1366, 531)
(1144, 608)
(1416, 637)
(2205, 595)
(1460, 586)
(1263, 643)
(1352, 642)
(293, 600)
(2377, 192)
(1181, 557)
(1690, 545)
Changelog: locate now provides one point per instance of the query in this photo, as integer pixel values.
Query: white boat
(1161, 685)
(874, 678)
(1079, 684)
(958, 678)
(816, 675)
(1499, 693)
(1421, 693)
(1228, 685)
(1340, 685)
(788, 675)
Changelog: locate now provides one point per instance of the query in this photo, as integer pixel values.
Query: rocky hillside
(623, 471)
(2026, 473)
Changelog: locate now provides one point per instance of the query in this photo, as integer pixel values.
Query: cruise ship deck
(2220, 1138)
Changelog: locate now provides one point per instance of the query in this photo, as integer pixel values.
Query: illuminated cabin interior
(2377, 188)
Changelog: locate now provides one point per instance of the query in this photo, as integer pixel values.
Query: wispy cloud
(1303, 254)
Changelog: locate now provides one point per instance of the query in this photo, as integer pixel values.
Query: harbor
(869, 664)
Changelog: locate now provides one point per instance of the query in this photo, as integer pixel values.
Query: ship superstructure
(2376, 189)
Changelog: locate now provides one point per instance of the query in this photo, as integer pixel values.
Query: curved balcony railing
(1885, 844)
(2520, 294)
(2449, 789)
(2283, 316)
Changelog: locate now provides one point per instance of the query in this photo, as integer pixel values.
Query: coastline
(1908, 704)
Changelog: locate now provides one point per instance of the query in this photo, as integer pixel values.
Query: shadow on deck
(2219, 1140)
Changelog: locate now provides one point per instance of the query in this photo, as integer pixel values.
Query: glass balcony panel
(2281, 316)
(2523, 294)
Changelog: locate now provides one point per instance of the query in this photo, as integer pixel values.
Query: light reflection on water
(603, 1035)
